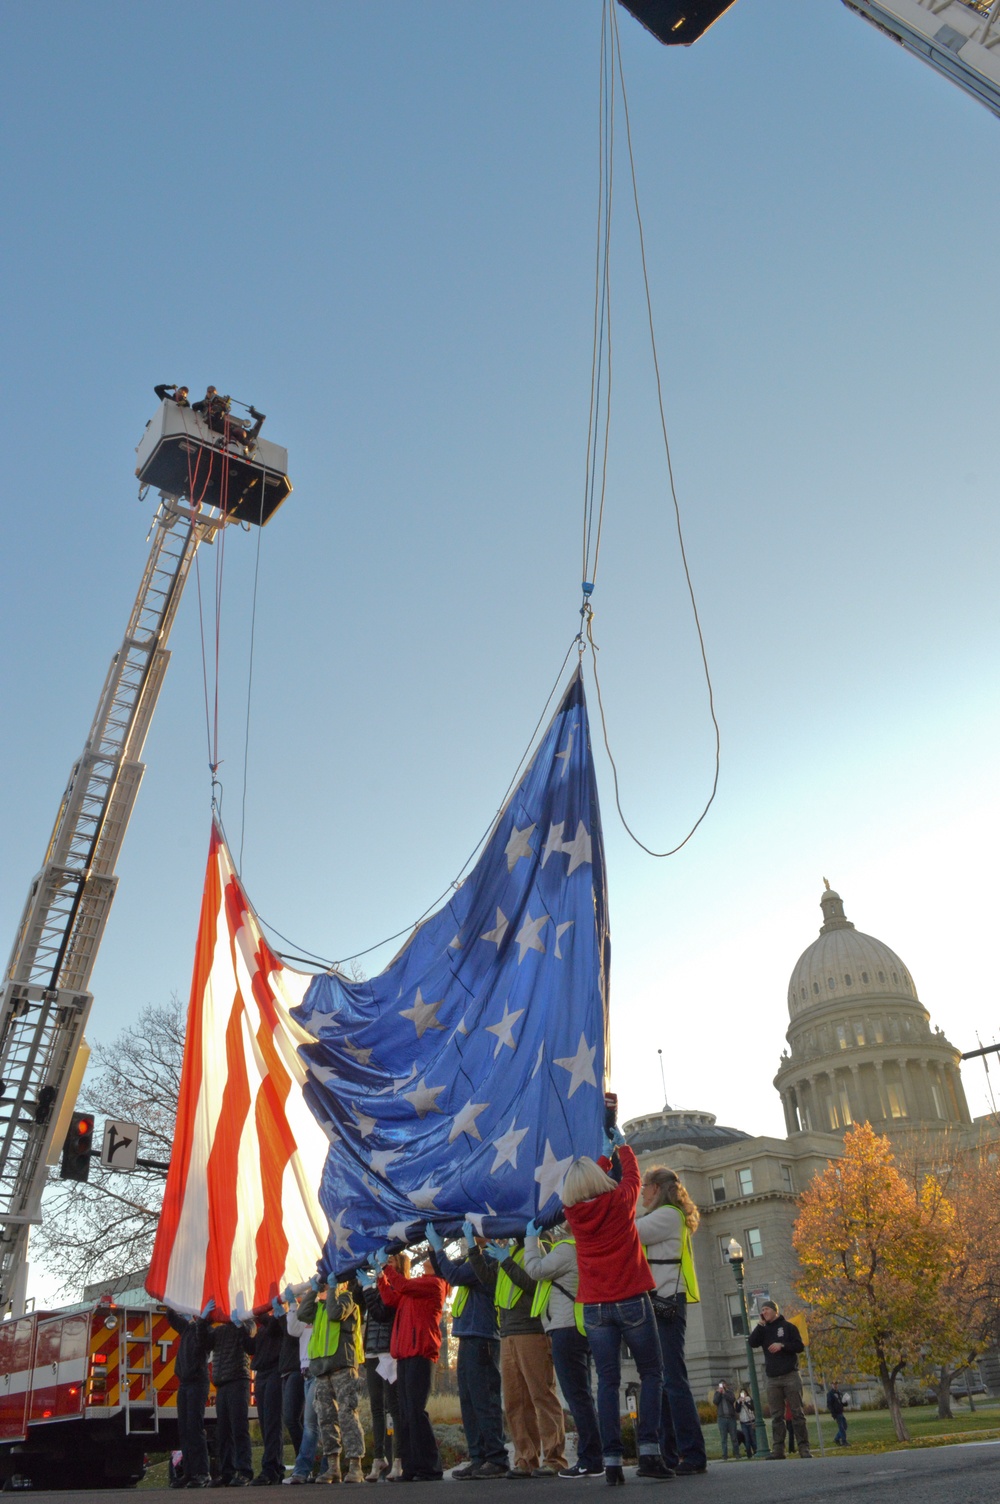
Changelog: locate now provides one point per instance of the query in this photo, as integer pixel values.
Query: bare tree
(104, 1228)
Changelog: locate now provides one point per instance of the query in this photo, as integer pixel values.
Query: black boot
(614, 1475)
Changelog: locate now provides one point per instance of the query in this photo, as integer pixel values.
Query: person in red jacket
(418, 1299)
(615, 1281)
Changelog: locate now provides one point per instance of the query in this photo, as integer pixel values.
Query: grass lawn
(872, 1430)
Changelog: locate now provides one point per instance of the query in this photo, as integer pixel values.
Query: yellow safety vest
(540, 1302)
(686, 1261)
(459, 1303)
(507, 1293)
(324, 1339)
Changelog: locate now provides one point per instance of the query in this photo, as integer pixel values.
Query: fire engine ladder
(142, 1415)
(44, 1000)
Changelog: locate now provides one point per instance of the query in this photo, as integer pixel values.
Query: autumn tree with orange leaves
(875, 1253)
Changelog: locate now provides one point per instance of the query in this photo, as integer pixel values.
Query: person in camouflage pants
(334, 1349)
(336, 1399)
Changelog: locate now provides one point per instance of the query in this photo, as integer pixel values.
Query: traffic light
(78, 1147)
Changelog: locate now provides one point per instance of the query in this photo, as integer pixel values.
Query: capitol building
(860, 1047)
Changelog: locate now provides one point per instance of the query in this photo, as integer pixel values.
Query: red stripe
(223, 1164)
(191, 1074)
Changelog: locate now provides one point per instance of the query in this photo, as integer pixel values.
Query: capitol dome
(843, 963)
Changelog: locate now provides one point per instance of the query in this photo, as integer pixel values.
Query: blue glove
(532, 1230)
(288, 1295)
(380, 1258)
(497, 1251)
(236, 1318)
(365, 1279)
(433, 1237)
(469, 1234)
(207, 1309)
(617, 1136)
(277, 1307)
(314, 1282)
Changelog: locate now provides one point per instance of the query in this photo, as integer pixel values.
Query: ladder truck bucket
(181, 456)
(677, 23)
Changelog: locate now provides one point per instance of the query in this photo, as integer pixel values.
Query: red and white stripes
(241, 1216)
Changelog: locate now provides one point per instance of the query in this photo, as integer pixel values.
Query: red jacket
(419, 1302)
(612, 1263)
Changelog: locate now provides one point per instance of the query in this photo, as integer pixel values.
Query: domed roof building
(860, 1044)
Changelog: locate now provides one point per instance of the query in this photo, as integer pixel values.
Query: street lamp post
(736, 1260)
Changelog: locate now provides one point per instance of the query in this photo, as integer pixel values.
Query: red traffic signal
(78, 1147)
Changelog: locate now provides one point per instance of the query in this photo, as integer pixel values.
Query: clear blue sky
(377, 223)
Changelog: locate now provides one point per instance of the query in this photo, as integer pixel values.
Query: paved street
(968, 1474)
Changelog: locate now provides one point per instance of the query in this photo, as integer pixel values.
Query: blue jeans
(681, 1437)
(609, 1324)
(841, 1436)
(571, 1361)
(479, 1397)
(306, 1455)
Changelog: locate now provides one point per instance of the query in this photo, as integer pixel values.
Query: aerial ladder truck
(206, 481)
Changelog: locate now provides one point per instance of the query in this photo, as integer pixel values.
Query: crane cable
(611, 66)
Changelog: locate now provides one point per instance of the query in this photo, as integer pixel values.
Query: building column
(905, 1087)
(791, 1115)
(928, 1094)
(952, 1076)
(883, 1100)
(858, 1108)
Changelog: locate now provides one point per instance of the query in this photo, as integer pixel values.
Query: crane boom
(44, 1001)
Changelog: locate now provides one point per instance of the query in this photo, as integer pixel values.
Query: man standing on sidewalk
(835, 1405)
(782, 1343)
(724, 1400)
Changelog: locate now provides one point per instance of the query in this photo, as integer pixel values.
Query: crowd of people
(530, 1316)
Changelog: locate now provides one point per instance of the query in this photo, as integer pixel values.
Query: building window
(894, 1095)
(876, 1030)
(724, 1247)
(746, 1181)
(847, 979)
(859, 1031)
(938, 1103)
(845, 1108)
(830, 983)
(718, 1185)
(831, 1112)
(881, 976)
(895, 978)
(816, 988)
(786, 1178)
(864, 977)
(842, 1036)
(736, 1316)
(755, 1246)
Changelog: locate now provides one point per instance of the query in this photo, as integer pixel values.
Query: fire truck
(85, 1393)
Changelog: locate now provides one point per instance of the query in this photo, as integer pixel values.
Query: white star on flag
(456, 944)
(465, 1121)
(506, 1147)
(424, 1098)
(553, 841)
(366, 1125)
(341, 1234)
(398, 1230)
(476, 1218)
(497, 935)
(518, 845)
(361, 1056)
(381, 1159)
(424, 1196)
(560, 931)
(399, 1082)
(424, 1015)
(538, 1062)
(580, 1066)
(550, 1175)
(578, 850)
(566, 753)
(504, 1030)
(527, 936)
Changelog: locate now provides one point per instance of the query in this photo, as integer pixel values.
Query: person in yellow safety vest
(475, 1327)
(554, 1266)
(530, 1397)
(666, 1217)
(336, 1353)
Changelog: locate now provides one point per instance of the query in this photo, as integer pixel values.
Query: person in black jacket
(781, 1343)
(382, 1392)
(231, 1343)
(293, 1394)
(835, 1405)
(179, 394)
(266, 1363)
(191, 1372)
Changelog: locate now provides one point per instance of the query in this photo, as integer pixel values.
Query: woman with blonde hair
(614, 1283)
(665, 1223)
